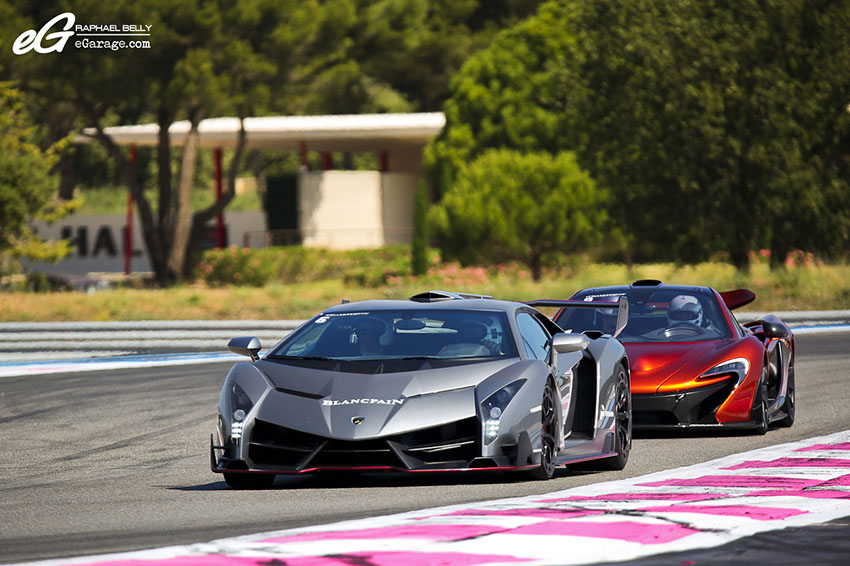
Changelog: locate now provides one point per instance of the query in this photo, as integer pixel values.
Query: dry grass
(799, 288)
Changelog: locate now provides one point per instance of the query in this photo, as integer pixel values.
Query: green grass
(814, 287)
(103, 200)
(113, 200)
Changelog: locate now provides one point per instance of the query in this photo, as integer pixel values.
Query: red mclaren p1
(692, 363)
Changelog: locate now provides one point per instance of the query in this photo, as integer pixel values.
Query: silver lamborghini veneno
(439, 382)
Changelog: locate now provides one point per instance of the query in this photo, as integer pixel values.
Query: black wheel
(788, 406)
(249, 481)
(549, 430)
(760, 416)
(622, 430)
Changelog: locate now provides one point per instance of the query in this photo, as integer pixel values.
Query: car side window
(534, 336)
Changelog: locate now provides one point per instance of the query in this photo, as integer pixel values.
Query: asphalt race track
(97, 462)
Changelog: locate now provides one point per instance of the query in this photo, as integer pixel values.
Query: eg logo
(31, 39)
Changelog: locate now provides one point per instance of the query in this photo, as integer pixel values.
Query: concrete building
(339, 209)
(335, 209)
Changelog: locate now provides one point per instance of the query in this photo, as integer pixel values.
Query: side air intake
(437, 296)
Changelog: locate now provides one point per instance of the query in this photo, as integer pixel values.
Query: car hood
(331, 401)
(667, 367)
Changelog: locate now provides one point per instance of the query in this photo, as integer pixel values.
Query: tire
(249, 481)
(788, 407)
(549, 431)
(760, 416)
(622, 430)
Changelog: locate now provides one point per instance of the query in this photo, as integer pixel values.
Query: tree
(248, 57)
(26, 187)
(205, 58)
(214, 58)
(399, 55)
(717, 114)
(528, 207)
(718, 126)
(510, 95)
(419, 247)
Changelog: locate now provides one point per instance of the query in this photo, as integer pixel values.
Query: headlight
(240, 405)
(737, 367)
(493, 406)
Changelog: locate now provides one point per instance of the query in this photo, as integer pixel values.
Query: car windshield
(662, 315)
(401, 334)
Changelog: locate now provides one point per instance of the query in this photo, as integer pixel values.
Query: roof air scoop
(437, 296)
(647, 283)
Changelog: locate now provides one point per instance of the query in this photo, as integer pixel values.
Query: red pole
(384, 161)
(219, 219)
(128, 236)
(302, 150)
(327, 161)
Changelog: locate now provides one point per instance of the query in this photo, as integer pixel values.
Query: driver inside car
(474, 332)
(369, 333)
(684, 309)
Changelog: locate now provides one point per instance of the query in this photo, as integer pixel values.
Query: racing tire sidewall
(548, 417)
(789, 406)
(760, 415)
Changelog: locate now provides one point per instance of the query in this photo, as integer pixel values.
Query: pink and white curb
(700, 506)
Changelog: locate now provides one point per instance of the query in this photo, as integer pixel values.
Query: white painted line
(12, 364)
(113, 363)
(829, 329)
(701, 506)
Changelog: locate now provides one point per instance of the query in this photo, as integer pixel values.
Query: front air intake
(446, 446)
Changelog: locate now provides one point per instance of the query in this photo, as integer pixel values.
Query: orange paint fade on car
(688, 355)
(669, 368)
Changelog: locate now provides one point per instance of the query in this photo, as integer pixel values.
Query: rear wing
(737, 298)
(622, 307)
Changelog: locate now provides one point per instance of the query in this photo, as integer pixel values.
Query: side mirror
(245, 346)
(564, 343)
(773, 330)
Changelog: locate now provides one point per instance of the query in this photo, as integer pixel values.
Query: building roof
(354, 132)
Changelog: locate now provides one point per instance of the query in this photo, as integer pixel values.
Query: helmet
(684, 308)
(376, 327)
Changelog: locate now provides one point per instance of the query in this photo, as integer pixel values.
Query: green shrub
(378, 273)
(419, 246)
(298, 264)
(234, 266)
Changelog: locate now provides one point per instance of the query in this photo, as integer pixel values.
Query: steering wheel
(683, 329)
